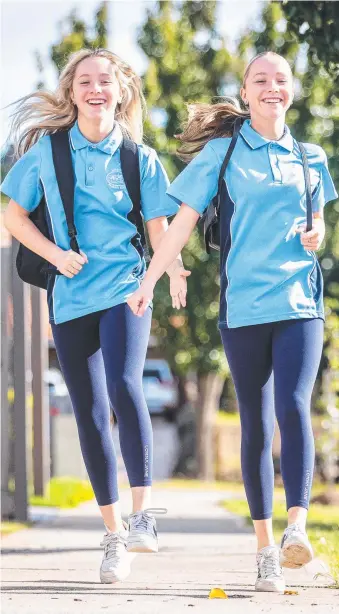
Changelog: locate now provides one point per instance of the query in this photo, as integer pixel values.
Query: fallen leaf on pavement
(217, 593)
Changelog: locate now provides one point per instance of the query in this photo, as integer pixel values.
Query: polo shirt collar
(108, 145)
(255, 140)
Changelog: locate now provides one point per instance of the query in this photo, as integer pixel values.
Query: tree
(188, 62)
(316, 23)
(75, 35)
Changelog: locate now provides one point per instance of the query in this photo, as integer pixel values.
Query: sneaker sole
(110, 578)
(269, 587)
(140, 547)
(295, 556)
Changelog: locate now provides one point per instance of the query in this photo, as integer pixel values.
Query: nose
(96, 88)
(273, 86)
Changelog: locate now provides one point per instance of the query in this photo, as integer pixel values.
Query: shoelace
(143, 521)
(111, 544)
(293, 528)
(269, 564)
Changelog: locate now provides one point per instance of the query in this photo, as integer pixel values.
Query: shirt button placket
(273, 162)
(90, 167)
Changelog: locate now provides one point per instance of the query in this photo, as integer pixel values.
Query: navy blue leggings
(275, 365)
(102, 356)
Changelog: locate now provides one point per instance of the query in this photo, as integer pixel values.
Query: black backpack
(34, 269)
(211, 219)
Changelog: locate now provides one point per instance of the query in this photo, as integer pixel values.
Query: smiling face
(268, 87)
(95, 90)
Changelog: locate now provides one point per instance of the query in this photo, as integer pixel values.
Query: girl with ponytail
(271, 304)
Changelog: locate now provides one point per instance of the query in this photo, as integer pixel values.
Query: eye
(84, 82)
(106, 81)
(261, 81)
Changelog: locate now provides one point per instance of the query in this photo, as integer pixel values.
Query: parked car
(58, 396)
(59, 399)
(160, 388)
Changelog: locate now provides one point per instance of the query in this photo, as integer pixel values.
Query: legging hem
(138, 485)
(110, 502)
(298, 504)
(262, 516)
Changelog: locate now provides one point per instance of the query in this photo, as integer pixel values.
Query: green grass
(223, 417)
(64, 492)
(194, 484)
(322, 528)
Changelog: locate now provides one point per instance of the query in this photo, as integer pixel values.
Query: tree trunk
(209, 391)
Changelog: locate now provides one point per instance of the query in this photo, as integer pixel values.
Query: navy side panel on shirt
(227, 208)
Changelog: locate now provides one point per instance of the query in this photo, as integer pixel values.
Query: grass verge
(322, 528)
(64, 492)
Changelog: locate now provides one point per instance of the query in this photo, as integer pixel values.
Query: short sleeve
(325, 190)
(197, 184)
(22, 183)
(154, 182)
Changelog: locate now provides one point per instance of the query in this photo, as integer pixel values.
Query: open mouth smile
(96, 102)
(272, 100)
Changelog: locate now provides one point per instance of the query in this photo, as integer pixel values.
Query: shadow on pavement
(227, 524)
(198, 593)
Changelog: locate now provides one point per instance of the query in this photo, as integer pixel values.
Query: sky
(27, 26)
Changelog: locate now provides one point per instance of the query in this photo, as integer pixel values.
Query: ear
(243, 95)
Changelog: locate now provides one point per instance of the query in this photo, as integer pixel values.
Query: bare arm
(156, 229)
(172, 243)
(22, 228)
(170, 247)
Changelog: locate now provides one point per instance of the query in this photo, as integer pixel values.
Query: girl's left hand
(178, 287)
(313, 239)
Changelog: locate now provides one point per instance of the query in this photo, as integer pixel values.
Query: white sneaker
(116, 564)
(142, 536)
(296, 549)
(270, 576)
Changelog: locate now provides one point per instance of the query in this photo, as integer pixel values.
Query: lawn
(322, 528)
(64, 492)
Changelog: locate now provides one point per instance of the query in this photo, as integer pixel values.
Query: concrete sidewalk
(54, 567)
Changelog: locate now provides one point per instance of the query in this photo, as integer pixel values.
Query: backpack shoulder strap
(130, 167)
(129, 158)
(63, 166)
(236, 130)
(309, 214)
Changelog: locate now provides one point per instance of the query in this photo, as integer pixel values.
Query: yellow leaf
(291, 593)
(217, 593)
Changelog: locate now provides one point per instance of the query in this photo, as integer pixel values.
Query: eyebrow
(103, 74)
(265, 73)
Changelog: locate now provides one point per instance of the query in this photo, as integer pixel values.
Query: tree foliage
(75, 35)
(316, 23)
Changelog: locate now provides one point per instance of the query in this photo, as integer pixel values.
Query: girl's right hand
(141, 298)
(69, 263)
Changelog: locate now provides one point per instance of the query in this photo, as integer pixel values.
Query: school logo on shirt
(115, 179)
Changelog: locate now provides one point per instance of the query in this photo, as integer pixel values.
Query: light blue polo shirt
(101, 207)
(266, 274)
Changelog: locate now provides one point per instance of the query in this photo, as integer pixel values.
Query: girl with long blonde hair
(100, 344)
